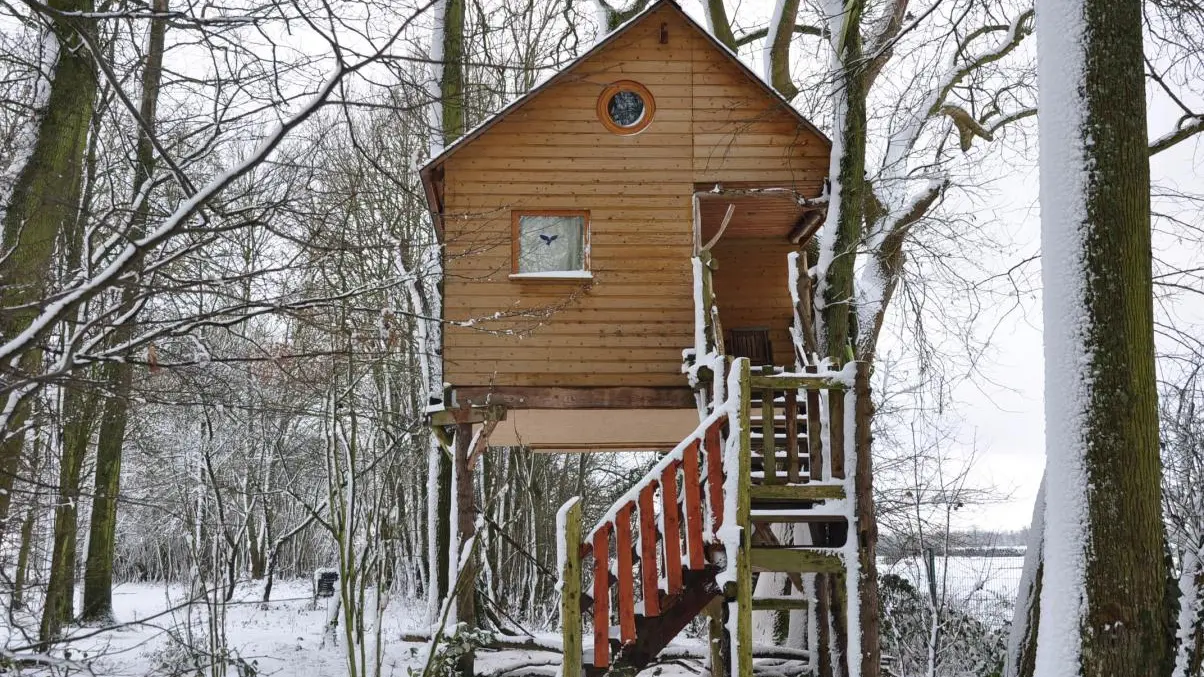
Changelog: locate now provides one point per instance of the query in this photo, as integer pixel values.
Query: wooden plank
(602, 597)
(768, 446)
(800, 492)
(649, 580)
(804, 560)
(693, 494)
(716, 637)
(671, 535)
(563, 379)
(797, 382)
(792, 456)
(815, 445)
(465, 414)
(570, 588)
(624, 564)
(713, 444)
(623, 397)
(779, 603)
(836, 431)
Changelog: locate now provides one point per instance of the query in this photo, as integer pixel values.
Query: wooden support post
(742, 649)
(866, 532)
(717, 639)
(570, 588)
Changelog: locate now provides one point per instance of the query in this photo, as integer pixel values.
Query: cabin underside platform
(587, 430)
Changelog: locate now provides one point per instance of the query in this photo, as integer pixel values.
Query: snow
(554, 275)
(435, 86)
(287, 636)
(1191, 609)
(24, 142)
(1060, 53)
(834, 10)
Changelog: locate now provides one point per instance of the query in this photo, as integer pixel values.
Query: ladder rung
(809, 560)
(779, 603)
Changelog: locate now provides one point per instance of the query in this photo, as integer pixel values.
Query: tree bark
(102, 529)
(466, 518)
(44, 201)
(778, 51)
(1105, 573)
(80, 412)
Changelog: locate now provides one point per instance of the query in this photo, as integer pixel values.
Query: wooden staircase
(690, 538)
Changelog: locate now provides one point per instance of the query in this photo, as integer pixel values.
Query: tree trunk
(79, 409)
(44, 201)
(1104, 589)
(102, 530)
(777, 48)
(466, 518)
(1022, 644)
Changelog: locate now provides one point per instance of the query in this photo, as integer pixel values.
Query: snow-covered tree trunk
(447, 118)
(1104, 577)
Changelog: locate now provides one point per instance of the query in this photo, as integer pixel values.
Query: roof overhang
(759, 213)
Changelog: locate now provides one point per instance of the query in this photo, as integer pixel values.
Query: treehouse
(572, 218)
(626, 269)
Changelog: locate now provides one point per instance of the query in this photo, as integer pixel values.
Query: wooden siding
(752, 290)
(629, 324)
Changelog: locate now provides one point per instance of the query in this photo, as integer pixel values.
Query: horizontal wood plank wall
(752, 290)
(627, 326)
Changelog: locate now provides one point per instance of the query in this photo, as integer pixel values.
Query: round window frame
(614, 88)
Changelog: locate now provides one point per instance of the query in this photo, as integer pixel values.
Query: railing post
(568, 522)
(742, 649)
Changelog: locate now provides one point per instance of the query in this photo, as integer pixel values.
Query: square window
(550, 244)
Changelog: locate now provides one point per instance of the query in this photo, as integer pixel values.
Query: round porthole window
(626, 107)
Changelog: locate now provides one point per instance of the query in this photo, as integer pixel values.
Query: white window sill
(561, 275)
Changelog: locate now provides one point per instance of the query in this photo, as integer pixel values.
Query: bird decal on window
(548, 239)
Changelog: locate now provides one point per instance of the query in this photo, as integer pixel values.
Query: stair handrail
(711, 457)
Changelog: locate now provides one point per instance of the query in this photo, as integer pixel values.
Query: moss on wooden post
(570, 587)
(742, 651)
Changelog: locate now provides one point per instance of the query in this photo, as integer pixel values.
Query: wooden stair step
(810, 492)
(792, 516)
(796, 558)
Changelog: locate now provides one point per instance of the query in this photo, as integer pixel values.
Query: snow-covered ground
(283, 637)
(288, 636)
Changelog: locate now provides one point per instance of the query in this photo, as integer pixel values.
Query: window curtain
(551, 243)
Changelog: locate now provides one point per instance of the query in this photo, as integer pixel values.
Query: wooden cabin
(570, 220)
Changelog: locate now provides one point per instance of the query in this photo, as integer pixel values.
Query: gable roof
(476, 132)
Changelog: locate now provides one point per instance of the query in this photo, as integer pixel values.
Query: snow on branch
(1187, 127)
(128, 257)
